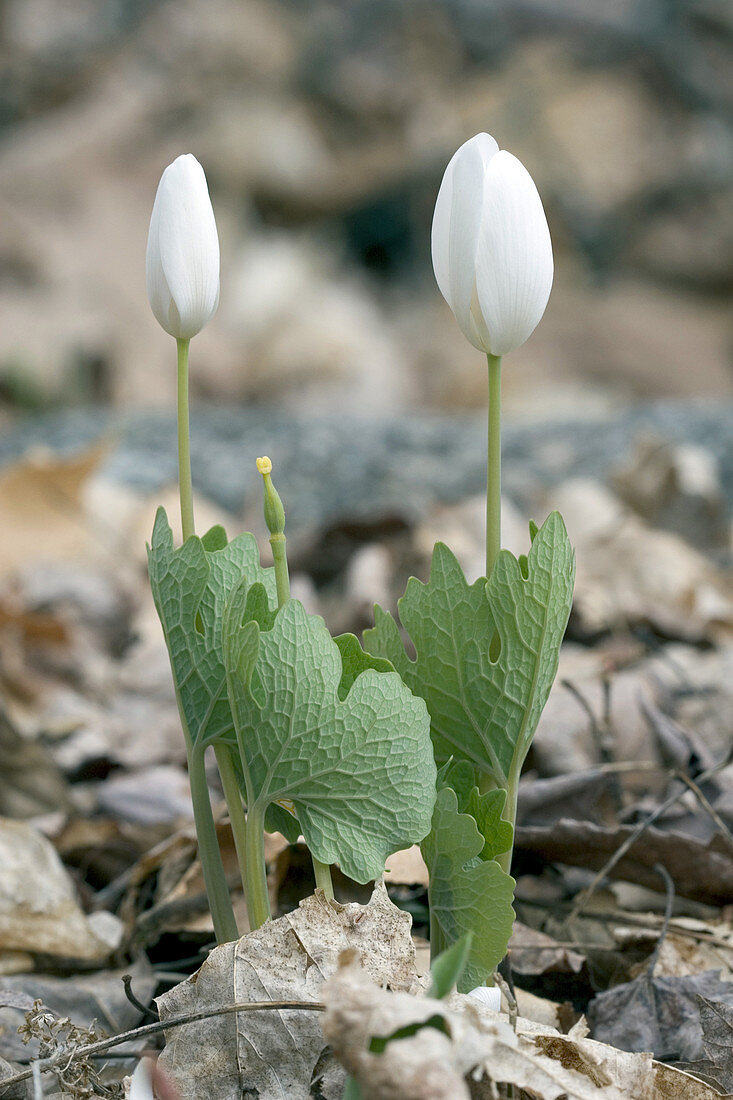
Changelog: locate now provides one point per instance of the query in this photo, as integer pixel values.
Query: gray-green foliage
(486, 653)
(356, 765)
(467, 892)
(191, 586)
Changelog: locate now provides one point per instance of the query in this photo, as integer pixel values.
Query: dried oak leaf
(716, 1067)
(659, 1014)
(702, 871)
(279, 1054)
(401, 1047)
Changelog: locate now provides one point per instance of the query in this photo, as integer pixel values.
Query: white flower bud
(182, 260)
(492, 253)
(490, 996)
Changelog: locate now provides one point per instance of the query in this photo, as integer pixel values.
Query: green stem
(280, 561)
(184, 442)
(255, 879)
(510, 815)
(220, 903)
(493, 473)
(217, 891)
(437, 941)
(233, 797)
(323, 877)
(321, 871)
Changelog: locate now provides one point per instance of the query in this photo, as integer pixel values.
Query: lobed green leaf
(486, 653)
(467, 893)
(357, 770)
(191, 586)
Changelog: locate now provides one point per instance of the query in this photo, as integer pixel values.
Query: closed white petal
(159, 295)
(456, 224)
(514, 266)
(488, 995)
(183, 250)
(141, 1086)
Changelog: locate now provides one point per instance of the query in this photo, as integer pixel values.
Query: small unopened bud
(274, 511)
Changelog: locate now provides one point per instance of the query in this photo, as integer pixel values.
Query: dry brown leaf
(460, 1049)
(39, 912)
(629, 572)
(42, 507)
(702, 871)
(534, 952)
(276, 1054)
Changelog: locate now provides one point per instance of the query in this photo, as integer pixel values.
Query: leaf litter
(686, 708)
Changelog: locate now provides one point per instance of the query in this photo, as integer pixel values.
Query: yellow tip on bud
(264, 465)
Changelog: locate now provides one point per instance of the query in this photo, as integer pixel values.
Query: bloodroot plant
(317, 736)
(311, 734)
(486, 653)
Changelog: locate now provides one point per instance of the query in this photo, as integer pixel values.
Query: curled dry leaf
(38, 907)
(460, 1049)
(277, 1054)
(700, 870)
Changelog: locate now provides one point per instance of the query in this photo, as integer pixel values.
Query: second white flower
(491, 246)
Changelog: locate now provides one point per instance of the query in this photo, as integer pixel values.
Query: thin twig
(650, 921)
(585, 896)
(144, 1009)
(669, 884)
(45, 1064)
(706, 805)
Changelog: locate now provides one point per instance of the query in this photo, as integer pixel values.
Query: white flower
(488, 995)
(492, 252)
(182, 260)
(140, 1084)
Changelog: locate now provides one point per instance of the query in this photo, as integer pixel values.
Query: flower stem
(275, 519)
(233, 798)
(510, 814)
(258, 903)
(493, 472)
(184, 442)
(217, 891)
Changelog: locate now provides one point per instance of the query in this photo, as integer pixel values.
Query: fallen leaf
(39, 912)
(630, 573)
(401, 1047)
(657, 1014)
(83, 998)
(534, 953)
(42, 505)
(275, 1054)
(716, 1067)
(701, 871)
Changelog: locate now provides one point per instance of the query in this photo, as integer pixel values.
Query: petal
(141, 1086)
(514, 266)
(456, 224)
(188, 244)
(488, 995)
(159, 295)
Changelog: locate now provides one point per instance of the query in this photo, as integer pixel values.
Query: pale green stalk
(275, 519)
(184, 442)
(232, 794)
(493, 472)
(258, 903)
(217, 891)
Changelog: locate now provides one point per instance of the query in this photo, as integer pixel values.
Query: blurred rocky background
(324, 127)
